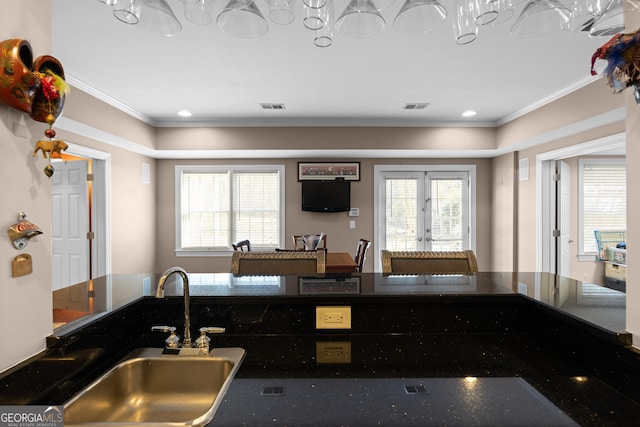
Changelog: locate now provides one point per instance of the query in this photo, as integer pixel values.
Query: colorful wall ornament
(622, 53)
(36, 87)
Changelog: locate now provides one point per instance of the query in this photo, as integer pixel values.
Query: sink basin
(155, 389)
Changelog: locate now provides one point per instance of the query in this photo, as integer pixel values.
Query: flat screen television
(326, 196)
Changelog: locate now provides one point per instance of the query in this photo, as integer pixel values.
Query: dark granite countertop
(601, 306)
(488, 349)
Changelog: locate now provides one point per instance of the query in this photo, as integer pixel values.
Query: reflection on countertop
(598, 305)
(564, 339)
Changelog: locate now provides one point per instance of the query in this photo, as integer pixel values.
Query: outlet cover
(333, 352)
(333, 317)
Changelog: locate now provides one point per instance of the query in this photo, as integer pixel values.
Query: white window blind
(401, 213)
(205, 214)
(604, 199)
(219, 206)
(447, 230)
(256, 208)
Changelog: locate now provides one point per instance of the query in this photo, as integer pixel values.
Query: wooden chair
(242, 246)
(361, 253)
(278, 263)
(423, 262)
(310, 242)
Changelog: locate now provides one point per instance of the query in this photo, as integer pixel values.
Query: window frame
(200, 252)
(582, 162)
(381, 172)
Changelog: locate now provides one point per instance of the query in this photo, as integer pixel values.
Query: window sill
(203, 253)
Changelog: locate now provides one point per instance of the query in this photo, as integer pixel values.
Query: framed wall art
(349, 171)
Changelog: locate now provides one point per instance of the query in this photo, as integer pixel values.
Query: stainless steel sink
(155, 389)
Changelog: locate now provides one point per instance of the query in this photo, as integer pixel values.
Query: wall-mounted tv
(326, 196)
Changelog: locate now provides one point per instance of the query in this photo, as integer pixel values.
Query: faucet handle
(212, 330)
(172, 341)
(203, 340)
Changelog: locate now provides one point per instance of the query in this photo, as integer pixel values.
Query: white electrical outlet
(333, 317)
(352, 224)
(354, 212)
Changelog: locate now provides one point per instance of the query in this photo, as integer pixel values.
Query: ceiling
(223, 80)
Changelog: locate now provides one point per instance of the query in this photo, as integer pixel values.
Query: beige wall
(93, 113)
(526, 205)
(326, 138)
(503, 218)
(25, 302)
(336, 225)
(132, 203)
(632, 20)
(133, 210)
(581, 106)
(140, 213)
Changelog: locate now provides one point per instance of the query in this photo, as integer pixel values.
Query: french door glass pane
(446, 214)
(401, 214)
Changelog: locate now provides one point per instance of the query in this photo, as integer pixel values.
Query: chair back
(242, 246)
(309, 242)
(361, 253)
(278, 263)
(428, 262)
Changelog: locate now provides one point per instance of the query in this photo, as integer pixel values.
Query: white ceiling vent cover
(269, 106)
(416, 106)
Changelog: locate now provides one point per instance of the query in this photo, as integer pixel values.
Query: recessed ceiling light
(469, 113)
(184, 113)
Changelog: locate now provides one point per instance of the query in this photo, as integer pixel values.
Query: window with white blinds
(217, 206)
(603, 199)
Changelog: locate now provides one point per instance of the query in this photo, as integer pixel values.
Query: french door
(424, 210)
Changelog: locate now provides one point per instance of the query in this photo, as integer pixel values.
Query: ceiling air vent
(269, 106)
(416, 106)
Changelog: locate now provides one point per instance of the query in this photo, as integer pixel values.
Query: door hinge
(556, 233)
(90, 177)
(556, 177)
(91, 235)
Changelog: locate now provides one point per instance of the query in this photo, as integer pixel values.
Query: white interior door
(563, 219)
(70, 205)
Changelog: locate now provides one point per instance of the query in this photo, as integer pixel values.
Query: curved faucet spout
(185, 282)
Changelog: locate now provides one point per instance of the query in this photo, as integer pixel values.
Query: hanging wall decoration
(47, 106)
(18, 82)
(622, 53)
(34, 87)
(49, 98)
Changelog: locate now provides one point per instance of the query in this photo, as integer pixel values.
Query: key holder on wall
(21, 232)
